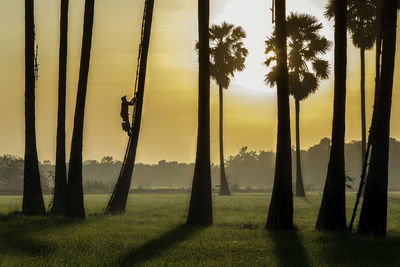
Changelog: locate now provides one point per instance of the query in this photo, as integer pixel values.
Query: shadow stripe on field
(156, 246)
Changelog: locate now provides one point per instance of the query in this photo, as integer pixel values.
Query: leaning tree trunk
(224, 189)
(60, 187)
(32, 203)
(364, 170)
(299, 177)
(75, 206)
(363, 122)
(119, 197)
(280, 214)
(373, 217)
(332, 213)
(200, 208)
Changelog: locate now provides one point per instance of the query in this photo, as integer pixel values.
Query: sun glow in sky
(170, 110)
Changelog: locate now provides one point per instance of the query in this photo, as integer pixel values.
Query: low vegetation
(153, 233)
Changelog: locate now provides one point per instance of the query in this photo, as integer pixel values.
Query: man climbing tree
(118, 199)
(125, 113)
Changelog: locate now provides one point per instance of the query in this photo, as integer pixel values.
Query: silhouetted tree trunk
(280, 214)
(200, 208)
(363, 122)
(32, 203)
(332, 213)
(118, 199)
(224, 190)
(299, 177)
(373, 217)
(75, 206)
(60, 187)
(378, 48)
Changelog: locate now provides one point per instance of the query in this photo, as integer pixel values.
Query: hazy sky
(170, 109)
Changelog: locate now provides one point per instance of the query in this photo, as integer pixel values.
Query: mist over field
(247, 171)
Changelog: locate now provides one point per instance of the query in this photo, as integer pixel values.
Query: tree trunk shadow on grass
(156, 246)
(20, 235)
(288, 248)
(354, 250)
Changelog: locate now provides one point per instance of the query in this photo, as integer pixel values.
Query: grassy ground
(153, 233)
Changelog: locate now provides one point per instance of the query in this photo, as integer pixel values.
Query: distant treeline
(247, 171)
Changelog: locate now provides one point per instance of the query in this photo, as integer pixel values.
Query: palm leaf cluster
(361, 21)
(227, 53)
(305, 63)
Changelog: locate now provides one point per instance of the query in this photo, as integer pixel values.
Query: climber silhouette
(125, 113)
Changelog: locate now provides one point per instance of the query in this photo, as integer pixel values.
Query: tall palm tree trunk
(60, 188)
(299, 177)
(118, 199)
(363, 122)
(75, 206)
(32, 203)
(332, 213)
(378, 48)
(200, 208)
(280, 213)
(373, 217)
(224, 189)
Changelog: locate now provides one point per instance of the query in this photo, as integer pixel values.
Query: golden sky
(170, 109)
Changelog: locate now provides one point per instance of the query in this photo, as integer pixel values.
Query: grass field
(153, 233)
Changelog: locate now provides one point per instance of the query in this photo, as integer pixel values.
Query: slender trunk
(60, 188)
(118, 199)
(363, 122)
(75, 206)
(373, 217)
(32, 203)
(332, 213)
(378, 49)
(224, 190)
(200, 208)
(299, 177)
(280, 213)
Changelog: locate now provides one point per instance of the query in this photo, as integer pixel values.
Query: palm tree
(280, 213)
(118, 199)
(306, 68)
(200, 208)
(378, 52)
(75, 206)
(373, 217)
(363, 27)
(227, 55)
(332, 213)
(32, 203)
(60, 187)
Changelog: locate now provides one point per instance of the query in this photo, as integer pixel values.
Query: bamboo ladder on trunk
(118, 199)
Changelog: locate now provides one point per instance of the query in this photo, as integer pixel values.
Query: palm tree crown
(361, 21)
(306, 46)
(227, 54)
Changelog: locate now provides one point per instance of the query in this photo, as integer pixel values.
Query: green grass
(153, 233)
